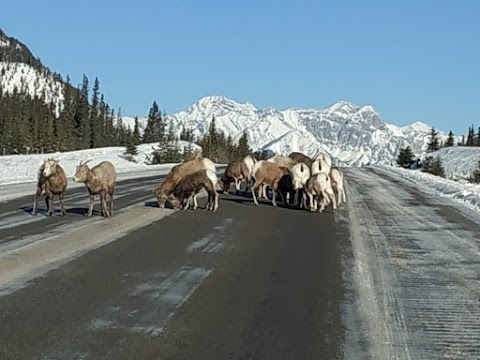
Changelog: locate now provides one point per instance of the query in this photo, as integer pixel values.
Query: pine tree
(470, 137)
(433, 166)
(136, 132)
(476, 174)
(405, 157)
(478, 137)
(433, 144)
(450, 140)
(243, 149)
(94, 122)
(155, 128)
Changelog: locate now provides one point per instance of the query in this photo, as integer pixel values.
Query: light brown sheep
(282, 161)
(266, 172)
(100, 180)
(236, 171)
(51, 181)
(175, 176)
(190, 185)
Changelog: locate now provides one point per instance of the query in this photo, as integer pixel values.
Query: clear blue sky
(412, 60)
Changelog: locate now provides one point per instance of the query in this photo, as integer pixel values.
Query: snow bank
(459, 162)
(466, 194)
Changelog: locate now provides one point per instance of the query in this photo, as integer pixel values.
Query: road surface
(393, 275)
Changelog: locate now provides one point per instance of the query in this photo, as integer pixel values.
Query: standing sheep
(176, 175)
(236, 171)
(51, 181)
(266, 172)
(100, 180)
(190, 185)
(337, 185)
(319, 189)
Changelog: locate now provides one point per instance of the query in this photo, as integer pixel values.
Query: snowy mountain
(22, 73)
(354, 135)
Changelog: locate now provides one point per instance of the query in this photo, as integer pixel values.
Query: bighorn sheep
(282, 161)
(322, 162)
(190, 185)
(336, 177)
(319, 189)
(299, 157)
(100, 180)
(300, 175)
(51, 181)
(236, 171)
(266, 172)
(176, 175)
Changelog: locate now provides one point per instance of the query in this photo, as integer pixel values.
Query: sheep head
(81, 172)
(49, 167)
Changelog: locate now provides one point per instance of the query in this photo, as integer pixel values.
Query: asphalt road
(393, 275)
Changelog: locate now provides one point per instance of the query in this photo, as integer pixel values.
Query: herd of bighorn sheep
(299, 180)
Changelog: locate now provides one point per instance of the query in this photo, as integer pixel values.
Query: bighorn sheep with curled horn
(190, 185)
(176, 175)
(51, 181)
(100, 180)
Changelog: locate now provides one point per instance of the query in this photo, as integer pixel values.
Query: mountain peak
(212, 103)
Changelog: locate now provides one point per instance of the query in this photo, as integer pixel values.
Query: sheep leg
(60, 197)
(49, 201)
(313, 206)
(187, 205)
(90, 207)
(215, 196)
(110, 203)
(195, 204)
(237, 186)
(254, 188)
(333, 199)
(35, 202)
(103, 203)
(273, 197)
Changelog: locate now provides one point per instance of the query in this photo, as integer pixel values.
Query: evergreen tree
(470, 137)
(476, 174)
(136, 132)
(243, 148)
(405, 157)
(95, 123)
(478, 137)
(450, 140)
(81, 117)
(155, 128)
(433, 166)
(433, 144)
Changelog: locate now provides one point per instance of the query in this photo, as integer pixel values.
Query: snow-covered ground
(464, 193)
(459, 162)
(19, 172)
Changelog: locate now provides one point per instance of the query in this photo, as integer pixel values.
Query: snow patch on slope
(26, 80)
(458, 162)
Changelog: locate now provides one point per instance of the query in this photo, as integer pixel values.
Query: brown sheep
(299, 157)
(266, 172)
(100, 180)
(51, 181)
(190, 185)
(236, 171)
(175, 176)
